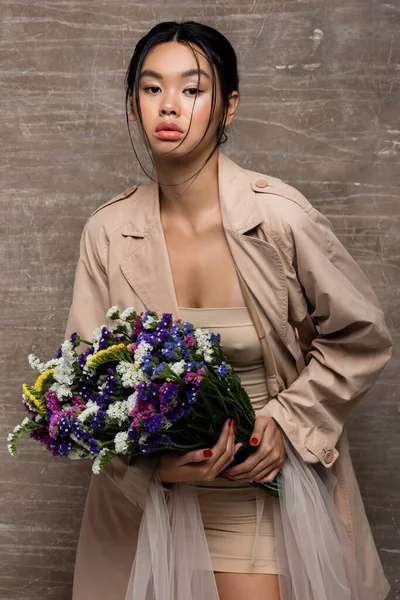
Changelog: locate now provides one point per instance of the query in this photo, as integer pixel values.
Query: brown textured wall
(320, 109)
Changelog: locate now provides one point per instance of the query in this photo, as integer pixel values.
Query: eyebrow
(189, 73)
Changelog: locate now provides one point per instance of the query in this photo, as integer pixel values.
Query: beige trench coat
(300, 278)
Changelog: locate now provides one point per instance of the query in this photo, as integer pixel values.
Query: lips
(168, 126)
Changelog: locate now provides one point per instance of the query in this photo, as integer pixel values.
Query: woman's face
(167, 93)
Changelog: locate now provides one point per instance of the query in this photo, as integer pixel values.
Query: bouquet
(144, 384)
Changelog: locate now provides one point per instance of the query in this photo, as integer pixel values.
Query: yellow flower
(42, 378)
(35, 401)
(104, 355)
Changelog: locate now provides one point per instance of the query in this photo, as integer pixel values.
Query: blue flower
(154, 424)
(64, 448)
(222, 369)
(191, 394)
(132, 434)
(214, 338)
(93, 446)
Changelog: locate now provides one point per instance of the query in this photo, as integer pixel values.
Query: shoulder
(119, 198)
(111, 214)
(277, 194)
(287, 214)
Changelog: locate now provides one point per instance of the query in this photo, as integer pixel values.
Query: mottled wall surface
(320, 109)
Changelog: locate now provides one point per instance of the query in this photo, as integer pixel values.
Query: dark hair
(218, 51)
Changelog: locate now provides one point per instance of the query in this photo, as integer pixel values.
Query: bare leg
(247, 586)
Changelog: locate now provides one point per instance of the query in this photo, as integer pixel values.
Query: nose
(169, 105)
(168, 110)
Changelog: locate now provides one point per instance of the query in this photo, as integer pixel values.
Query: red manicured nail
(254, 440)
(207, 453)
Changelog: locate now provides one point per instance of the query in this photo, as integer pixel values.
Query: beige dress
(107, 542)
(228, 508)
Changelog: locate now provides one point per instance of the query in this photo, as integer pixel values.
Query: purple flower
(154, 424)
(73, 339)
(159, 440)
(191, 394)
(168, 394)
(161, 335)
(214, 338)
(132, 434)
(177, 413)
(105, 335)
(53, 423)
(97, 422)
(166, 320)
(64, 448)
(42, 435)
(52, 401)
(80, 432)
(93, 446)
(64, 428)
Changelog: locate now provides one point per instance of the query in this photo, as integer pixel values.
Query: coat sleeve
(90, 303)
(345, 358)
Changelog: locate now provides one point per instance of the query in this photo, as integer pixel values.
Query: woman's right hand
(200, 465)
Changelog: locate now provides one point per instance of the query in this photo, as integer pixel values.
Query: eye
(152, 89)
(194, 90)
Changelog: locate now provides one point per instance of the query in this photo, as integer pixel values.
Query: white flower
(118, 411)
(97, 337)
(131, 401)
(62, 390)
(25, 421)
(90, 410)
(140, 352)
(179, 367)
(148, 321)
(167, 424)
(64, 371)
(38, 418)
(35, 363)
(40, 366)
(80, 442)
(97, 461)
(143, 438)
(126, 313)
(130, 375)
(204, 344)
(10, 437)
(77, 453)
(11, 450)
(121, 442)
(111, 311)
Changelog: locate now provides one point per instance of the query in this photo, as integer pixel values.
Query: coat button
(261, 183)
(128, 190)
(328, 457)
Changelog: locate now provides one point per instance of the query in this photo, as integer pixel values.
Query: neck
(197, 196)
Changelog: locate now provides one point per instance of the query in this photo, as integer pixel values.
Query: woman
(180, 244)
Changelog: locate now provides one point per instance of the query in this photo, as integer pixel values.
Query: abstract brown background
(320, 109)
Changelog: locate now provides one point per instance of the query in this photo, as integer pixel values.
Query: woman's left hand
(264, 463)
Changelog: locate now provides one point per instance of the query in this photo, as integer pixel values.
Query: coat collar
(239, 208)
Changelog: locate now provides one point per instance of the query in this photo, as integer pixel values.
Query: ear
(233, 104)
(131, 111)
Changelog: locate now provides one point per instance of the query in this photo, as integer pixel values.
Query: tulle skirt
(313, 552)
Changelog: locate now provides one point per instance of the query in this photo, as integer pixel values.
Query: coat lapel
(146, 264)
